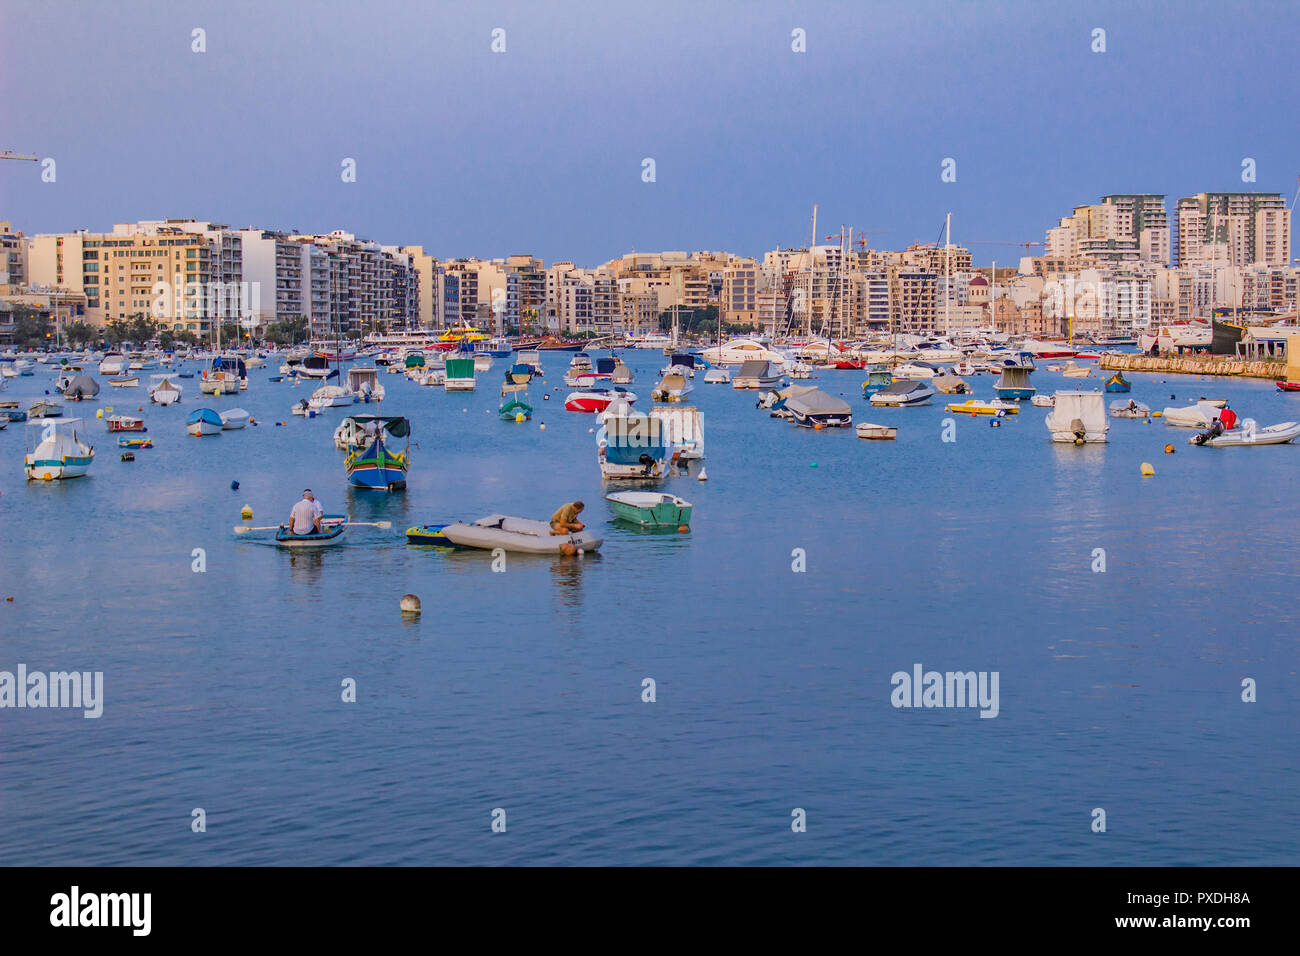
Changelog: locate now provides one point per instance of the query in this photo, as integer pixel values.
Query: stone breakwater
(1194, 365)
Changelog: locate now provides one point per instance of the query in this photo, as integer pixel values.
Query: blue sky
(539, 149)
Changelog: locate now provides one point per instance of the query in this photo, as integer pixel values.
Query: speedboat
(581, 373)
(114, 363)
(234, 418)
(363, 381)
(330, 396)
(915, 370)
(1249, 434)
(817, 409)
(516, 534)
(739, 351)
(756, 374)
(950, 384)
(1078, 417)
(204, 421)
(459, 375)
(977, 407)
(673, 387)
(905, 394)
(718, 375)
(1013, 384)
(878, 376)
(632, 446)
(56, 451)
(596, 399)
(1128, 408)
(1200, 415)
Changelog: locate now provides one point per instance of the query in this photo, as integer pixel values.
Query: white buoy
(704, 475)
(410, 604)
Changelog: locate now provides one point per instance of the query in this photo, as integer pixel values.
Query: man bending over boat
(565, 521)
(305, 516)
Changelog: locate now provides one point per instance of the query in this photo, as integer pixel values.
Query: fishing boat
(523, 535)
(1013, 384)
(1200, 415)
(124, 423)
(1078, 417)
(162, 391)
(817, 409)
(597, 399)
(718, 375)
(905, 394)
(363, 382)
(673, 387)
(1128, 408)
(234, 419)
(651, 509)
(459, 375)
(683, 430)
(878, 376)
(975, 406)
(1249, 434)
(131, 382)
(41, 409)
(376, 466)
(55, 450)
(632, 446)
(876, 432)
(135, 443)
(1118, 383)
(950, 384)
(332, 529)
(756, 374)
(204, 421)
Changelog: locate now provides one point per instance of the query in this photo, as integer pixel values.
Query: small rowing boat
(135, 443)
(332, 529)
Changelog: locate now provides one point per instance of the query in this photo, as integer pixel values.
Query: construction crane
(1005, 242)
(10, 154)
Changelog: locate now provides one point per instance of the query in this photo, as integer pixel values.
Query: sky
(541, 149)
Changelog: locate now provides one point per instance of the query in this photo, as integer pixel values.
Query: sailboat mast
(947, 255)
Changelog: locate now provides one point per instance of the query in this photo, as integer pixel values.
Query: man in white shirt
(304, 518)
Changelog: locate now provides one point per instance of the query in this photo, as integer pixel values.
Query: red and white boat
(124, 423)
(596, 399)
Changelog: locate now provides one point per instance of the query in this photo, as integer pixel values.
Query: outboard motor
(1080, 432)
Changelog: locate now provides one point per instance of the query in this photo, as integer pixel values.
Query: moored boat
(1118, 383)
(1078, 417)
(1128, 408)
(162, 391)
(904, 394)
(124, 423)
(523, 535)
(597, 399)
(132, 381)
(203, 421)
(56, 450)
(875, 432)
(651, 508)
(977, 406)
(376, 466)
(332, 529)
(1250, 434)
(234, 418)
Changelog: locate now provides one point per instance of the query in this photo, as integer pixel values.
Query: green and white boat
(651, 508)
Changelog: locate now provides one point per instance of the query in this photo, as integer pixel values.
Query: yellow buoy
(1169, 449)
(246, 513)
(1156, 414)
(99, 413)
(519, 416)
(1147, 470)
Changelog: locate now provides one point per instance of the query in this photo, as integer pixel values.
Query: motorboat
(533, 359)
(596, 399)
(523, 535)
(1078, 417)
(1013, 384)
(483, 361)
(632, 446)
(975, 406)
(878, 376)
(204, 421)
(914, 371)
(775, 399)
(330, 396)
(817, 409)
(514, 409)
(113, 363)
(1200, 415)
(234, 418)
(718, 375)
(1128, 408)
(801, 371)
(363, 381)
(1071, 370)
(950, 384)
(78, 388)
(43, 409)
(905, 394)
(621, 374)
(680, 362)
(740, 351)
(313, 366)
(651, 509)
(55, 450)
(876, 432)
(1249, 434)
(756, 374)
(1043, 401)
(581, 373)
(673, 387)
(519, 374)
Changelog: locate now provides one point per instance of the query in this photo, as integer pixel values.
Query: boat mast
(947, 255)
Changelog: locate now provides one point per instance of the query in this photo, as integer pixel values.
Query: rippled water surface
(522, 690)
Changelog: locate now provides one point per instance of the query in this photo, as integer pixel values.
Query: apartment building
(1233, 229)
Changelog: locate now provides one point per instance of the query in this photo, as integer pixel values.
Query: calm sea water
(522, 690)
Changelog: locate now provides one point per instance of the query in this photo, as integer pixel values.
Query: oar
(369, 524)
(244, 529)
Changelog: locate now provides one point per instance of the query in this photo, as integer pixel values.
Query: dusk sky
(539, 149)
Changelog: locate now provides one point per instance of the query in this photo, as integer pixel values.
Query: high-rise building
(1233, 229)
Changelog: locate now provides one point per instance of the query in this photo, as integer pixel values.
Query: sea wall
(1194, 365)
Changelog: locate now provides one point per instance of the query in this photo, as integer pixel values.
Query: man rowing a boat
(306, 514)
(565, 521)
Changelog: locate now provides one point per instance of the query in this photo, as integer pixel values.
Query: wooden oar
(244, 529)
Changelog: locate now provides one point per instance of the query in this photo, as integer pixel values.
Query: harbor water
(1121, 613)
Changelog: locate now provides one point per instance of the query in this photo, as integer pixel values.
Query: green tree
(32, 327)
(79, 333)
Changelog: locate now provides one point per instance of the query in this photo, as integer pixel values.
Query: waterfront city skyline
(476, 153)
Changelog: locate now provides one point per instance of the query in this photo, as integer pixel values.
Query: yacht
(739, 351)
